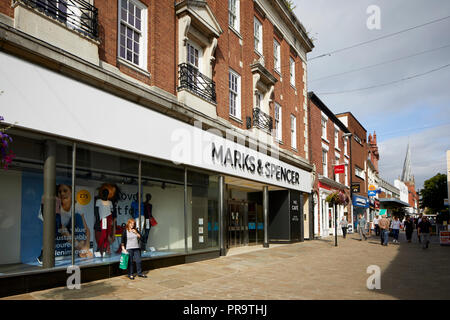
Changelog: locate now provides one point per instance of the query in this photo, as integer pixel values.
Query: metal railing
(262, 120)
(78, 15)
(193, 80)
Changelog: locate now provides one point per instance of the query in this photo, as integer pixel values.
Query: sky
(415, 111)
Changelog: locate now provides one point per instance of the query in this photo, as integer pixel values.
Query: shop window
(202, 210)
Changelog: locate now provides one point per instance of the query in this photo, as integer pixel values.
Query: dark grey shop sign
(253, 165)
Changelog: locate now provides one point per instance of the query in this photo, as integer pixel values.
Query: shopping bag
(124, 261)
(153, 221)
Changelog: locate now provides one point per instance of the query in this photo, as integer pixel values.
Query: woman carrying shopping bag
(130, 245)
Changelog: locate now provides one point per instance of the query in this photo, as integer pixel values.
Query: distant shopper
(130, 245)
(395, 225)
(419, 220)
(376, 227)
(424, 230)
(344, 225)
(361, 227)
(409, 228)
(384, 229)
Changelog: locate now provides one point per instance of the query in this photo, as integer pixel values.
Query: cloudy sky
(415, 110)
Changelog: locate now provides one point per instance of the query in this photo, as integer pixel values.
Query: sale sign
(339, 169)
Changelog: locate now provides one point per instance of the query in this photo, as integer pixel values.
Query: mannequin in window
(103, 211)
(147, 214)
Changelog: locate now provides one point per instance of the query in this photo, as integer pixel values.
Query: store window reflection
(106, 187)
(163, 195)
(202, 210)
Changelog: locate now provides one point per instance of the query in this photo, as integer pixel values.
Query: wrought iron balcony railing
(193, 80)
(262, 120)
(78, 15)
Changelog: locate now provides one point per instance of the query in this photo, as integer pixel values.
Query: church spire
(406, 173)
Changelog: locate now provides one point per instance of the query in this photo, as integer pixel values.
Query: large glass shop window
(106, 195)
(22, 205)
(163, 202)
(202, 210)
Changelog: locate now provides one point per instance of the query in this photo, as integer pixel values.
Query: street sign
(372, 188)
(339, 169)
(356, 188)
(372, 193)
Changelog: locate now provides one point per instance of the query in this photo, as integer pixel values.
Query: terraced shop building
(193, 112)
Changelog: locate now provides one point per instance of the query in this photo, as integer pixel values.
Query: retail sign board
(444, 237)
(86, 113)
(372, 188)
(356, 188)
(339, 169)
(371, 193)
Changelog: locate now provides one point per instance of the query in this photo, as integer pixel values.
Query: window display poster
(86, 193)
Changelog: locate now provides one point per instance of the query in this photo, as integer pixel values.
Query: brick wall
(5, 8)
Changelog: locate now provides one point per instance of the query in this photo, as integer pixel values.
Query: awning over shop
(388, 203)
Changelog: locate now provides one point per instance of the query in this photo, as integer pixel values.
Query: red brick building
(136, 91)
(328, 147)
(359, 154)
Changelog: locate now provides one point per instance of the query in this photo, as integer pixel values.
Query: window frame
(143, 39)
(325, 162)
(324, 128)
(236, 14)
(292, 71)
(293, 131)
(237, 103)
(278, 121)
(259, 48)
(276, 56)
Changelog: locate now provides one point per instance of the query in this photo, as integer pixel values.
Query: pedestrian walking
(409, 228)
(361, 227)
(419, 220)
(424, 230)
(384, 230)
(376, 227)
(130, 245)
(344, 225)
(395, 225)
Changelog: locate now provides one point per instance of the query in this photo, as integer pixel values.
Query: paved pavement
(309, 270)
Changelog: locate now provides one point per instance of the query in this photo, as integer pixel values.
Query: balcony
(194, 81)
(261, 120)
(78, 15)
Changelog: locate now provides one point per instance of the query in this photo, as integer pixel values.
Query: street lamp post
(349, 135)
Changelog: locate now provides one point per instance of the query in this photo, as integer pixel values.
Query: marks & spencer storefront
(79, 148)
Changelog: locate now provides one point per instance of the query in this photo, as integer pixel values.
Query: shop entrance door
(238, 231)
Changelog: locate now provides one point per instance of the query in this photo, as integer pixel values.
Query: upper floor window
(133, 32)
(293, 132)
(357, 139)
(258, 35)
(235, 94)
(259, 99)
(336, 139)
(359, 173)
(276, 55)
(325, 163)
(233, 14)
(193, 55)
(292, 71)
(324, 128)
(345, 146)
(278, 124)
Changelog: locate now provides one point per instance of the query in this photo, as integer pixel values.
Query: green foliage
(434, 193)
(290, 5)
(338, 198)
